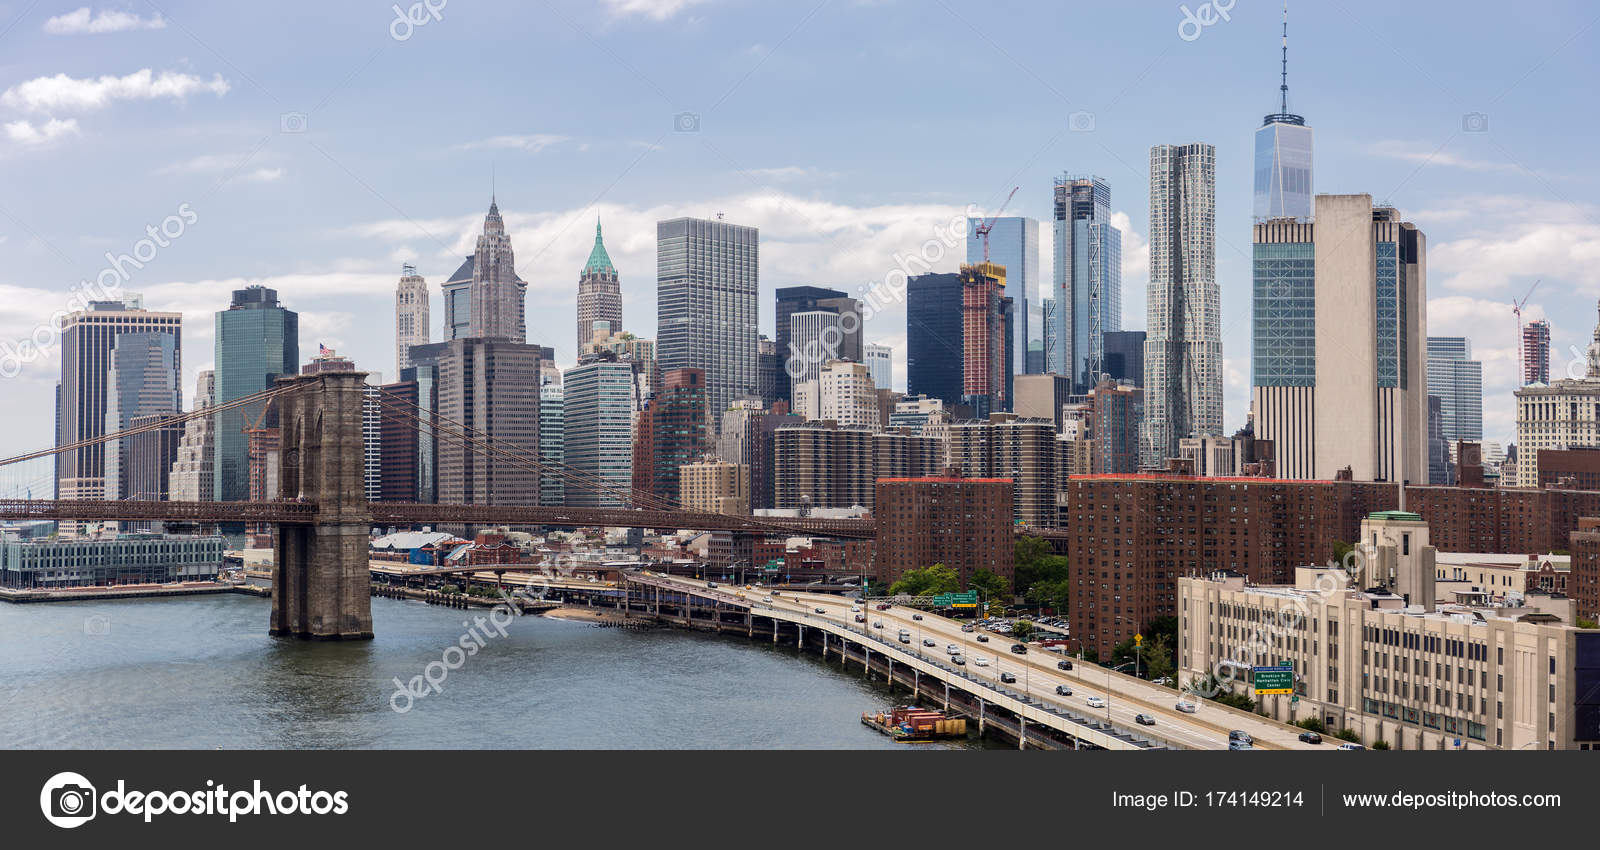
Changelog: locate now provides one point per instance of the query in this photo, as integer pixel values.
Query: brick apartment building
(963, 523)
(1134, 536)
(1584, 582)
(1501, 520)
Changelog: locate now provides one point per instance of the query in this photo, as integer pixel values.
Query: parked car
(1144, 720)
(1008, 678)
(983, 638)
(1063, 690)
(1019, 649)
(1311, 737)
(1063, 665)
(1097, 702)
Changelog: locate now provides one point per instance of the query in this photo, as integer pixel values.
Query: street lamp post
(1109, 671)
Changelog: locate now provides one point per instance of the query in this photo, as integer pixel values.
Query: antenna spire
(1283, 85)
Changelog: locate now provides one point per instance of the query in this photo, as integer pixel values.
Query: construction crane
(1516, 307)
(983, 227)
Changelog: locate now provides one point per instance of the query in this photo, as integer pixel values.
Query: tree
(1340, 550)
(1313, 724)
(1036, 563)
(1052, 594)
(1159, 658)
(990, 585)
(1022, 630)
(928, 581)
(1587, 624)
(1380, 744)
(1348, 735)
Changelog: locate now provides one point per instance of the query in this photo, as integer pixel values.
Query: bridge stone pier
(320, 582)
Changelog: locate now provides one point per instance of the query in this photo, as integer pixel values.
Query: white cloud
(263, 175)
(658, 10)
(1509, 242)
(81, 21)
(789, 172)
(1437, 155)
(24, 133)
(532, 143)
(62, 92)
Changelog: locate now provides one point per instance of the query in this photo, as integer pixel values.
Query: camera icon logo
(686, 122)
(1081, 122)
(68, 800)
(95, 624)
(292, 122)
(1475, 122)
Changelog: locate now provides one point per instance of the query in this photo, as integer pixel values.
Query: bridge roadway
(1036, 672)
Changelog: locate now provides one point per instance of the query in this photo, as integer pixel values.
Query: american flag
(324, 350)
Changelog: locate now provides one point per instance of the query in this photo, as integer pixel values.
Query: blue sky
(317, 152)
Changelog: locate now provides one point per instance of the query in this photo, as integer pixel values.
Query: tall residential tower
(1087, 286)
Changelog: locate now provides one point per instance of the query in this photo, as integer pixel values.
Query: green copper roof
(599, 260)
(1396, 516)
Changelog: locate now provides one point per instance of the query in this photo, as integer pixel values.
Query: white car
(1097, 702)
(1185, 707)
(855, 609)
(952, 649)
(980, 661)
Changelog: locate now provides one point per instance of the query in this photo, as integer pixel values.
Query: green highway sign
(967, 599)
(1273, 680)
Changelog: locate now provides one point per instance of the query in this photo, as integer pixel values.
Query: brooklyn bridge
(322, 519)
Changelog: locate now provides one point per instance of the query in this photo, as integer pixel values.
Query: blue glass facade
(1014, 243)
(1283, 171)
(1087, 285)
(1284, 334)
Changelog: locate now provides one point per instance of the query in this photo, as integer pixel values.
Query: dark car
(1008, 678)
(1311, 737)
(916, 616)
(1144, 720)
(820, 610)
(983, 638)
(1019, 649)
(1063, 665)
(1063, 690)
(883, 606)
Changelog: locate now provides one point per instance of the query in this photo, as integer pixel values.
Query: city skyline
(820, 224)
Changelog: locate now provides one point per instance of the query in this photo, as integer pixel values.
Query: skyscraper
(1014, 244)
(599, 293)
(845, 342)
(815, 337)
(880, 364)
(257, 340)
(985, 339)
(597, 424)
(496, 292)
(671, 433)
(1183, 341)
(1087, 285)
(706, 307)
(1536, 353)
(193, 474)
(1339, 333)
(412, 322)
(934, 339)
(1457, 380)
(89, 339)
(490, 386)
(1283, 185)
(143, 381)
(552, 445)
(1125, 356)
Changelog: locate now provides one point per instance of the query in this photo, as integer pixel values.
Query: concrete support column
(1022, 733)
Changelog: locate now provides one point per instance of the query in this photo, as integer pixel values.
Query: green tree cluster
(1041, 575)
(928, 581)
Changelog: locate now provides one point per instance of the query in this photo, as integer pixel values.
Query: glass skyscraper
(1014, 243)
(1457, 380)
(597, 425)
(706, 305)
(1087, 281)
(1283, 156)
(257, 340)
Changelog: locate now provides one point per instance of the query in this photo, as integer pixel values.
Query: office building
(934, 337)
(193, 477)
(795, 354)
(599, 294)
(715, 487)
(671, 432)
(142, 382)
(1339, 358)
(1124, 360)
(88, 344)
(1183, 341)
(1457, 380)
(1564, 414)
(1117, 412)
(1043, 397)
(963, 523)
(1536, 352)
(746, 438)
(706, 305)
(56, 563)
(1013, 244)
(412, 320)
(1283, 155)
(257, 341)
(598, 406)
(399, 455)
(490, 386)
(880, 365)
(1458, 675)
(496, 293)
(552, 444)
(769, 371)
(917, 412)
(847, 396)
(1087, 283)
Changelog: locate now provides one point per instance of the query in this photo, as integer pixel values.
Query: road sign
(1273, 680)
(1138, 640)
(967, 599)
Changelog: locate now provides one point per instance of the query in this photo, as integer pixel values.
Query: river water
(201, 673)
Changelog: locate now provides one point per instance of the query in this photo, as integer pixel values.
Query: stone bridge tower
(320, 581)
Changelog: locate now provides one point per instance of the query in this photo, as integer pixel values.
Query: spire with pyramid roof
(599, 260)
(599, 293)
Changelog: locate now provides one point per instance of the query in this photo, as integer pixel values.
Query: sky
(315, 147)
